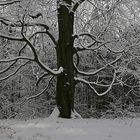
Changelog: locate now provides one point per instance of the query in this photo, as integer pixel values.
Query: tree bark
(65, 82)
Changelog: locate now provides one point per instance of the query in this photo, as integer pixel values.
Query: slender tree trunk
(65, 82)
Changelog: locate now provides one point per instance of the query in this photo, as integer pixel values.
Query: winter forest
(69, 66)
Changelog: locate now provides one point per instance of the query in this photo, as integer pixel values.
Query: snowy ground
(73, 129)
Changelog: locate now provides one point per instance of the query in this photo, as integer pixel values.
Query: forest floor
(70, 129)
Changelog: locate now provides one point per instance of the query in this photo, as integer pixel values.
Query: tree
(27, 24)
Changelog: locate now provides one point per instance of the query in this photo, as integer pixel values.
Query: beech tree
(25, 25)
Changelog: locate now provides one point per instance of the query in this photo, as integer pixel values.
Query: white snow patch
(70, 129)
(54, 114)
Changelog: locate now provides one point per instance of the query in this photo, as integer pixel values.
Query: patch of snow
(76, 115)
(71, 129)
(54, 114)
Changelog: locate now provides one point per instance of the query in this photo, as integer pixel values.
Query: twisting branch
(97, 71)
(92, 88)
(12, 74)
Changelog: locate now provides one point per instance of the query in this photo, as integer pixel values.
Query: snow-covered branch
(11, 38)
(99, 70)
(26, 99)
(36, 33)
(45, 32)
(51, 37)
(9, 23)
(40, 78)
(39, 94)
(90, 45)
(21, 38)
(86, 34)
(90, 84)
(36, 58)
(12, 74)
(48, 33)
(38, 61)
(15, 59)
(3, 3)
(7, 68)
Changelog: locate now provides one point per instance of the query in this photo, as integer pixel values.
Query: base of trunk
(55, 114)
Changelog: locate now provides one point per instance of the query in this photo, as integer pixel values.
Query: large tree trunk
(65, 82)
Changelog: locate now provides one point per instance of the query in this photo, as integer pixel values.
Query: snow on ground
(70, 129)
